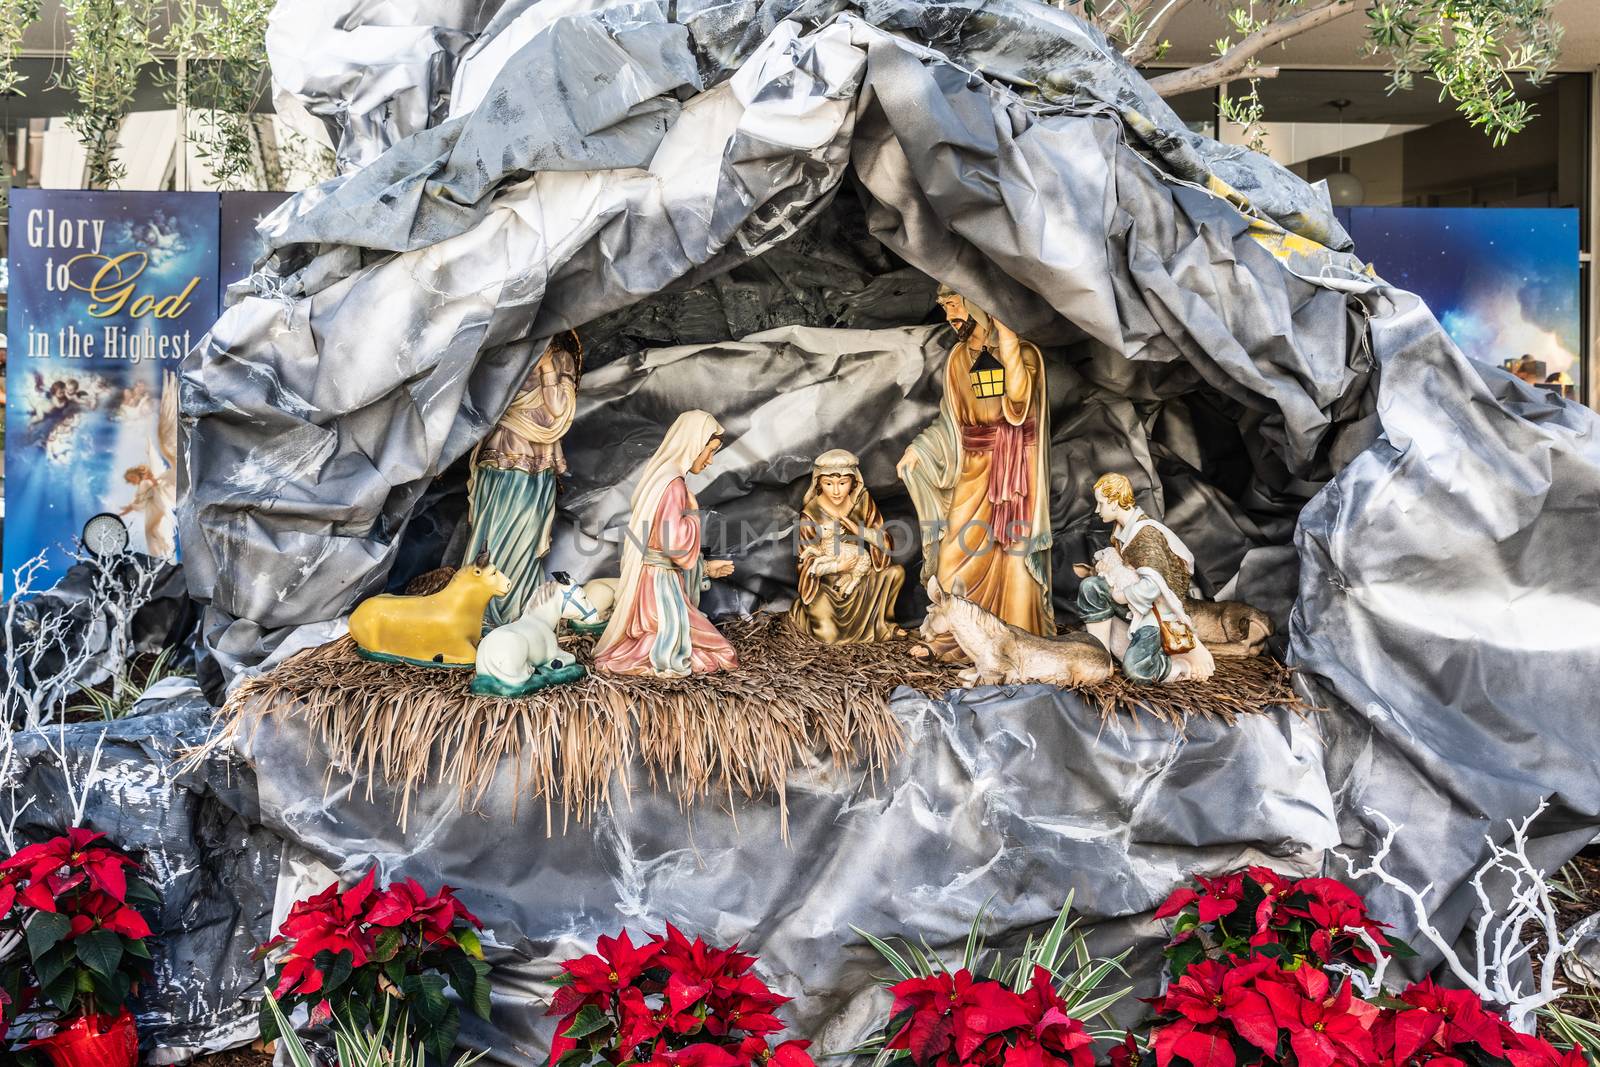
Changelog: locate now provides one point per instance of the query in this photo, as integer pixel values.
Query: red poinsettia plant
(1257, 1011)
(1026, 1011)
(1262, 972)
(1259, 912)
(70, 901)
(668, 1002)
(958, 1019)
(366, 954)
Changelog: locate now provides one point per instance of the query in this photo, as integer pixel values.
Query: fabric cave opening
(830, 340)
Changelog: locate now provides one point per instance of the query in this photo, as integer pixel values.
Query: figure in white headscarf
(847, 581)
(656, 626)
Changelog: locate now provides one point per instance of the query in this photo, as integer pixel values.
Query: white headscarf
(685, 440)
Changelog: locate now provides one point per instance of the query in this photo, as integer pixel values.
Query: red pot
(93, 1041)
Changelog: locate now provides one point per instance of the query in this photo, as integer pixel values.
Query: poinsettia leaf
(45, 930)
(142, 892)
(335, 969)
(1311, 1049)
(111, 989)
(469, 941)
(441, 1037)
(466, 978)
(1252, 1020)
(425, 997)
(385, 945)
(1412, 1029)
(100, 951)
(135, 946)
(1183, 954)
(930, 1035)
(1205, 1048)
(590, 1020)
(268, 1019)
(480, 989)
(61, 992)
(47, 967)
(1399, 949)
(580, 1057)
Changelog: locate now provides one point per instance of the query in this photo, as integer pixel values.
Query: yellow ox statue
(438, 630)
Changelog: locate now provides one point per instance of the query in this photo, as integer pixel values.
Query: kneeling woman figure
(656, 626)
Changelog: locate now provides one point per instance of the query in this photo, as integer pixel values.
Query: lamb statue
(523, 656)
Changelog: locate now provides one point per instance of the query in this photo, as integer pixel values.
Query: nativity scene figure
(1138, 598)
(511, 498)
(656, 626)
(847, 581)
(979, 475)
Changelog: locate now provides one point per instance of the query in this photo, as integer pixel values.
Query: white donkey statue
(522, 656)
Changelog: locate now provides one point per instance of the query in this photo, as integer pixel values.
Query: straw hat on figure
(979, 476)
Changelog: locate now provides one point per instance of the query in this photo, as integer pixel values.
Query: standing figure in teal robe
(511, 499)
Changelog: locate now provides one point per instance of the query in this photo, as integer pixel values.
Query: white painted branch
(1498, 933)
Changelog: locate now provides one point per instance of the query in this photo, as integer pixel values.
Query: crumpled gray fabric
(1010, 798)
(374, 71)
(1419, 525)
(198, 833)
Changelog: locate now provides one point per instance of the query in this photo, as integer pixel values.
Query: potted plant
(669, 1002)
(374, 960)
(1287, 972)
(1038, 1008)
(68, 904)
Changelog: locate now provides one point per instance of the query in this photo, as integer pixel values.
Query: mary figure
(656, 626)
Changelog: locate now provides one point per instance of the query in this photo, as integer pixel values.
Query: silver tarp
(672, 176)
(195, 827)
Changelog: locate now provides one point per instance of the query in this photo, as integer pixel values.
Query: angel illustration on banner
(155, 481)
(56, 409)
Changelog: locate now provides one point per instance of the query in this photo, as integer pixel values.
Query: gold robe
(822, 609)
(954, 489)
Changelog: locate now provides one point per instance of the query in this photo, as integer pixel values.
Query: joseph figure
(979, 475)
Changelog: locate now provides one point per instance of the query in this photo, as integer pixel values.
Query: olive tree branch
(1238, 57)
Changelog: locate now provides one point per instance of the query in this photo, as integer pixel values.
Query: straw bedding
(738, 733)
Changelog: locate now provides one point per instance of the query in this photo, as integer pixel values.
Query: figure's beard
(964, 328)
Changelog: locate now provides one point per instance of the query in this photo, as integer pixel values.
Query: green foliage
(225, 80)
(357, 955)
(110, 45)
(15, 18)
(1060, 950)
(126, 688)
(1473, 49)
(1569, 1029)
(387, 1044)
(73, 942)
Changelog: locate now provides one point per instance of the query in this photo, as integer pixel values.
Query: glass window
(1410, 149)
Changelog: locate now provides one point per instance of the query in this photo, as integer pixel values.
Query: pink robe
(665, 632)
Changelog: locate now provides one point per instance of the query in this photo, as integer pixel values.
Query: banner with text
(108, 292)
